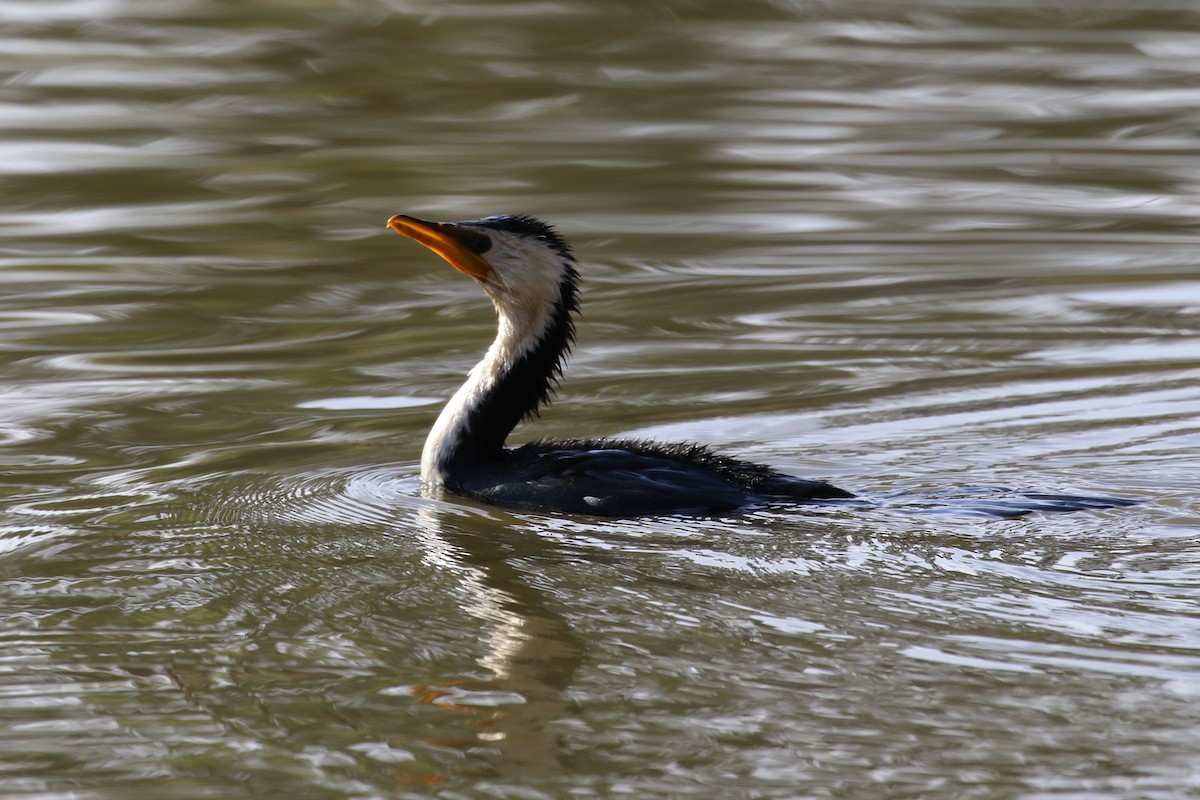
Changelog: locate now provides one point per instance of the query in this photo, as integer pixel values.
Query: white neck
(520, 330)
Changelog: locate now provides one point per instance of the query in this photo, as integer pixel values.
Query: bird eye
(478, 242)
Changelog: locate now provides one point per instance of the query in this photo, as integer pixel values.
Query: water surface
(919, 249)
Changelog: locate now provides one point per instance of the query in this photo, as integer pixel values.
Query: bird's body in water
(530, 275)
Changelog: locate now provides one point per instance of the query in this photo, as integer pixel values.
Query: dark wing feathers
(757, 479)
(615, 485)
(633, 478)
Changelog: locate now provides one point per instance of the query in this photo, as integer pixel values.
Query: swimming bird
(530, 274)
(528, 271)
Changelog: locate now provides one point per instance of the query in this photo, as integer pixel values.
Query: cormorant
(530, 274)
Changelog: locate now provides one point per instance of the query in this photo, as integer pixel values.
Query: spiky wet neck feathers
(533, 285)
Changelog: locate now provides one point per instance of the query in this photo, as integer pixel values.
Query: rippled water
(914, 248)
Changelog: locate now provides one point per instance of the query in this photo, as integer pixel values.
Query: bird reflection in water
(531, 651)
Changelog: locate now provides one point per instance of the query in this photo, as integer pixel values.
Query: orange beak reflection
(447, 240)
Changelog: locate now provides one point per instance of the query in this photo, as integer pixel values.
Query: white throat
(524, 309)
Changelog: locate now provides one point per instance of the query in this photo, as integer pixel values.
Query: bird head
(518, 260)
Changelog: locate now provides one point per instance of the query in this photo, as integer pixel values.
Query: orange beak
(446, 240)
